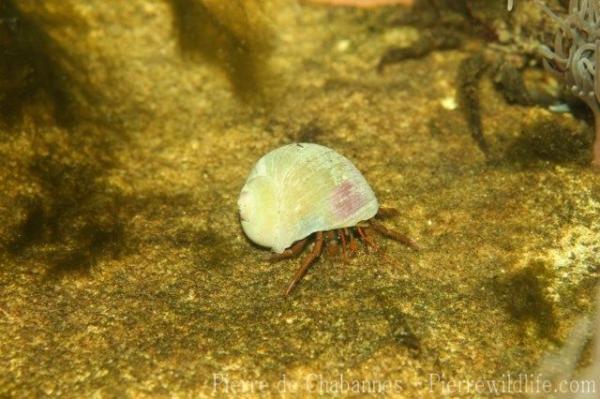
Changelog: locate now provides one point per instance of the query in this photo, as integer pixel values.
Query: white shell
(299, 189)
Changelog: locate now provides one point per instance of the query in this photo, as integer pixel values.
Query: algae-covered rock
(124, 270)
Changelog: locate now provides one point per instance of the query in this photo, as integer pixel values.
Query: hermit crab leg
(291, 252)
(332, 247)
(342, 236)
(353, 246)
(363, 235)
(314, 254)
(394, 235)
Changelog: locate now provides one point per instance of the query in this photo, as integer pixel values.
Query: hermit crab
(306, 191)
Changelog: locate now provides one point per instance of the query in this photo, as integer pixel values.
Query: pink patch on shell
(346, 200)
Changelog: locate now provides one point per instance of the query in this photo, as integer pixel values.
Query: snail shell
(299, 189)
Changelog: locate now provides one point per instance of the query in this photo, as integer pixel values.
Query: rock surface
(125, 270)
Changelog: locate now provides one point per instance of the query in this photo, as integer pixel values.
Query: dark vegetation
(470, 72)
(228, 36)
(74, 217)
(37, 77)
(77, 218)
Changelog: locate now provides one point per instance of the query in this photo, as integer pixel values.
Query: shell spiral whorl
(299, 189)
